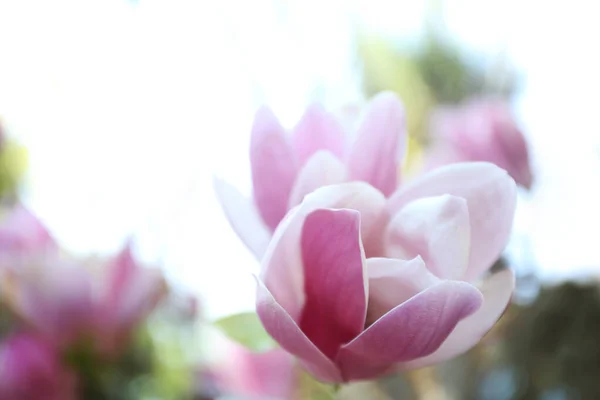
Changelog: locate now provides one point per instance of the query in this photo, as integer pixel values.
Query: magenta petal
(393, 281)
(31, 368)
(497, 291)
(317, 130)
(413, 329)
(132, 292)
(280, 325)
(491, 198)
(322, 169)
(435, 228)
(334, 279)
(243, 216)
(273, 167)
(282, 270)
(376, 154)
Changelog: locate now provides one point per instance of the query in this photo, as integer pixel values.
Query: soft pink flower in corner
(347, 313)
(480, 130)
(30, 368)
(68, 300)
(267, 375)
(286, 166)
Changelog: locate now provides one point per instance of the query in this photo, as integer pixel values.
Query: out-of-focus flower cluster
(74, 327)
(457, 101)
(80, 327)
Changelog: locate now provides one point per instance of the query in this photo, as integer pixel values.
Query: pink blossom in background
(67, 300)
(30, 368)
(317, 152)
(348, 317)
(480, 130)
(130, 292)
(267, 375)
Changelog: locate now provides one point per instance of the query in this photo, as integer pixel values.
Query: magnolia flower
(348, 317)
(30, 368)
(67, 302)
(288, 165)
(329, 306)
(481, 130)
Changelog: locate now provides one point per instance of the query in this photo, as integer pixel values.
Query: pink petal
(31, 368)
(358, 196)
(334, 279)
(514, 147)
(322, 169)
(392, 282)
(317, 130)
(21, 230)
(273, 166)
(485, 130)
(413, 329)
(440, 154)
(435, 228)
(132, 292)
(243, 216)
(376, 154)
(55, 298)
(281, 326)
(491, 198)
(497, 291)
(282, 270)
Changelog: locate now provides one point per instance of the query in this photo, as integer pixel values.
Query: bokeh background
(120, 113)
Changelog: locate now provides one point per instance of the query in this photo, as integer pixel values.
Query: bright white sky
(128, 110)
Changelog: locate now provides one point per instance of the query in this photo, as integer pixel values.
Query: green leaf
(247, 330)
(310, 388)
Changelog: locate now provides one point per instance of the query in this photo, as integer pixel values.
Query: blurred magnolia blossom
(480, 130)
(31, 368)
(93, 312)
(68, 299)
(317, 152)
(94, 301)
